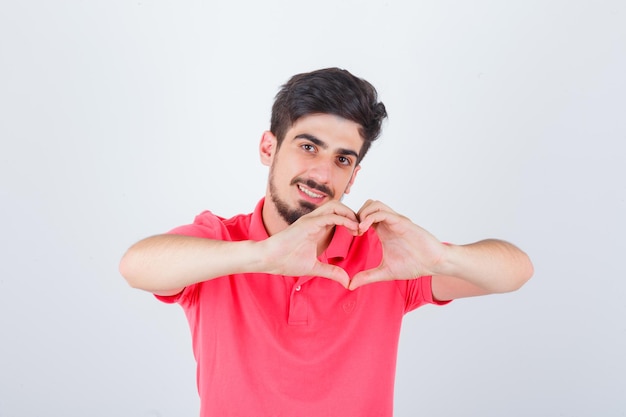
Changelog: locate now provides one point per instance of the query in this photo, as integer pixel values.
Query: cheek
(285, 169)
(293, 167)
(350, 180)
(341, 183)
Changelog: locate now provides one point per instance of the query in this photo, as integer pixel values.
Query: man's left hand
(409, 251)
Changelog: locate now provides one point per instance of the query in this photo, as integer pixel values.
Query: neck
(272, 220)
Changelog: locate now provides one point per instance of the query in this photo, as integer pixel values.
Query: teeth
(309, 193)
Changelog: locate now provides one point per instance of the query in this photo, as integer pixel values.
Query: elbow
(527, 270)
(522, 275)
(134, 269)
(127, 270)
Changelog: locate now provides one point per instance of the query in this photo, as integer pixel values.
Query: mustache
(314, 186)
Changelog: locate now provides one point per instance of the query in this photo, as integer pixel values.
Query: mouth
(310, 193)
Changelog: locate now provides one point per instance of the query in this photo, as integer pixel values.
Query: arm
(485, 267)
(165, 264)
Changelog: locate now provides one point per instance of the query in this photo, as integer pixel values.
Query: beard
(291, 214)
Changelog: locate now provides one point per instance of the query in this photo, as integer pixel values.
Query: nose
(321, 171)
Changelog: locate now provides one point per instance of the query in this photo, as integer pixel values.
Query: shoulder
(208, 225)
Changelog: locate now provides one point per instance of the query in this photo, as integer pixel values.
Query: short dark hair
(329, 91)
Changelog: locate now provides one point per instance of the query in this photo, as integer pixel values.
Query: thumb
(331, 272)
(366, 277)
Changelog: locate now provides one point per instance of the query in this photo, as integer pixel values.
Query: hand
(408, 250)
(294, 251)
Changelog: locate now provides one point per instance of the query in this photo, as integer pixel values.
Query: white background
(122, 119)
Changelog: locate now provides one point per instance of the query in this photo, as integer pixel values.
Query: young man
(295, 309)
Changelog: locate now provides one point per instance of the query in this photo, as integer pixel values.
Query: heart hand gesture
(408, 250)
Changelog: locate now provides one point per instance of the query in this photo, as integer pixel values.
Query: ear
(352, 178)
(267, 148)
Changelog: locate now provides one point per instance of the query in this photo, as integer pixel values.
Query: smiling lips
(309, 193)
(312, 189)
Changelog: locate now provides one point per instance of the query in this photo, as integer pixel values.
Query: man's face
(315, 163)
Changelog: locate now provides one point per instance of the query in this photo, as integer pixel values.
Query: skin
(309, 172)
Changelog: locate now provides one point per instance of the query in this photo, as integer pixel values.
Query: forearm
(168, 263)
(493, 266)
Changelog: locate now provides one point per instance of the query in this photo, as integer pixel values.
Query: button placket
(298, 306)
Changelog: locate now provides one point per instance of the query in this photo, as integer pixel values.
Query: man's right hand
(294, 251)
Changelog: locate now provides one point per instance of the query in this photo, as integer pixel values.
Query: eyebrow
(324, 145)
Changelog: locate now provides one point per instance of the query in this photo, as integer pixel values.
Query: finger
(371, 206)
(373, 212)
(336, 207)
(365, 207)
(374, 217)
(336, 220)
(364, 212)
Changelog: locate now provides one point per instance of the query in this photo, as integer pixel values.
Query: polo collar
(339, 244)
(257, 228)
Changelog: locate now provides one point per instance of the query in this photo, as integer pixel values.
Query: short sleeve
(169, 299)
(206, 225)
(418, 292)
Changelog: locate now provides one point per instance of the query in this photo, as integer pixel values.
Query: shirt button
(298, 288)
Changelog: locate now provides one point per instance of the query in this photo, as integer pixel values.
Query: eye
(344, 161)
(308, 147)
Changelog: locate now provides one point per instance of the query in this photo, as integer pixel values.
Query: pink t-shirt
(269, 345)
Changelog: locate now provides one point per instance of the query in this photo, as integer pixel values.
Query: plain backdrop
(123, 119)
